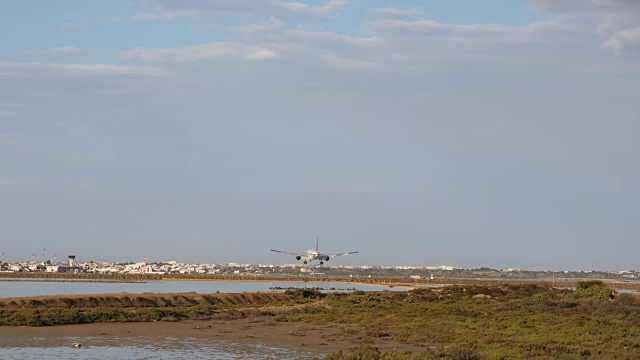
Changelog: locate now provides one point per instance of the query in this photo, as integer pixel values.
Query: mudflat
(292, 335)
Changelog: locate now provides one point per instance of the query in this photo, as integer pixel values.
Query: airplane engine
(297, 257)
(324, 258)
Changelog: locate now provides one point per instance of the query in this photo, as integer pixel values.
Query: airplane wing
(289, 253)
(347, 253)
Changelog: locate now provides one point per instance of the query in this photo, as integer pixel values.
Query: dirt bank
(143, 300)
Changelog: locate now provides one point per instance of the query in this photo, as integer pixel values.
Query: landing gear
(321, 263)
(305, 262)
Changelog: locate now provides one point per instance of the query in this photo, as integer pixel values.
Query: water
(620, 291)
(624, 291)
(35, 287)
(138, 347)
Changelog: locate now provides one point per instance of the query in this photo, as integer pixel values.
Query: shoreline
(378, 281)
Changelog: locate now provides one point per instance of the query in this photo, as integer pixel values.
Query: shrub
(594, 290)
(311, 293)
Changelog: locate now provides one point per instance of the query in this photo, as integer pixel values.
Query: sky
(497, 133)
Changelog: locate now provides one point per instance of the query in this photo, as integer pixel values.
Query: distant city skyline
(496, 133)
(57, 260)
(135, 265)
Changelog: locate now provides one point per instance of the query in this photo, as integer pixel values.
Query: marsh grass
(506, 322)
(368, 352)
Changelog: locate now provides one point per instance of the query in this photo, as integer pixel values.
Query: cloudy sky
(498, 133)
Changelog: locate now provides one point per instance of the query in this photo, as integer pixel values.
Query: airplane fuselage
(312, 254)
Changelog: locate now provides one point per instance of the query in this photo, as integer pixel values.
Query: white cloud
(486, 34)
(306, 9)
(199, 9)
(203, 52)
(611, 23)
(66, 51)
(260, 54)
(432, 26)
(82, 70)
(627, 40)
(585, 5)
(253, 29)
(393, 12)
(194, 14)
(615, 19)
(332, 37)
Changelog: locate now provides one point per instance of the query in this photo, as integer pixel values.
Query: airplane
(314, 254)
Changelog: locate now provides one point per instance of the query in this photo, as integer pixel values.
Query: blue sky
(494, 133)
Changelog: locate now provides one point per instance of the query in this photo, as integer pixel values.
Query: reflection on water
(40, 288)
(138, 347)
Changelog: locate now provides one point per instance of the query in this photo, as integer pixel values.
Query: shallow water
(138, 347)
(36, 287)
(624, 291)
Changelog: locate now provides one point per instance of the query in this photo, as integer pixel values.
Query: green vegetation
(491, 322)
(593, 289)
(456, 322)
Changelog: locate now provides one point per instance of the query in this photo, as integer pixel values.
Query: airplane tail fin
(317, 240)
